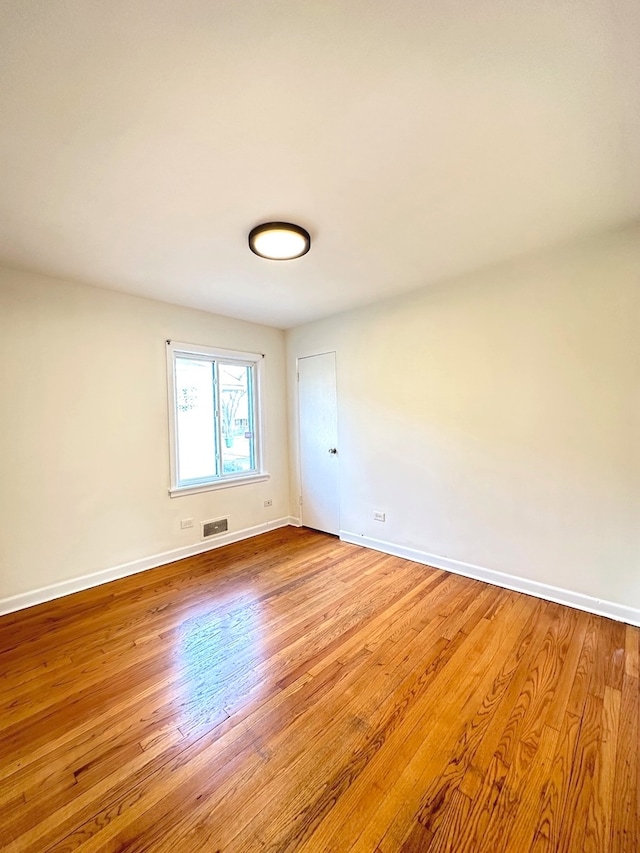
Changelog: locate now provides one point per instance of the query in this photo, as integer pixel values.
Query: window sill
(219, 484)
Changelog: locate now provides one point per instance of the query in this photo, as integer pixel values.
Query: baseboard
(57, 590)
(580, 601)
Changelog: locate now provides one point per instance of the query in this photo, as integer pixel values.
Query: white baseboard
(57, 590)
(579, 600)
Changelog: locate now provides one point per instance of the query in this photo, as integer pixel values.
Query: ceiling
(140, 140)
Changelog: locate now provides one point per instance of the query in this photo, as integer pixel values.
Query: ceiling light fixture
(279, 241)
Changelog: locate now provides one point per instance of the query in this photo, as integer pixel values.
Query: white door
(318, 424)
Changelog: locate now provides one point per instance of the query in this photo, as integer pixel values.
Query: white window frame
(176, 349)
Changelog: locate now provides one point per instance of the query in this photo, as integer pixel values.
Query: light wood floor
(292, 692)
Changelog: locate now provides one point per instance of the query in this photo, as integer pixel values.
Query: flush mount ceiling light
(279, 241)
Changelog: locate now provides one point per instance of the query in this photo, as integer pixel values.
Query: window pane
(195, 420)
(236, 412)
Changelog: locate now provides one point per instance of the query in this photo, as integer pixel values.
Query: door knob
(333, 450)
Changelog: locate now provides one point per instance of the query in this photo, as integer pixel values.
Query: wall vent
(213, 528)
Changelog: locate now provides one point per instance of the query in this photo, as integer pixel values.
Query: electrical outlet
(378, 516)
(268, 503)
(185, 523)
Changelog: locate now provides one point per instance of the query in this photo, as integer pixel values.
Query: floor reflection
(219, 656)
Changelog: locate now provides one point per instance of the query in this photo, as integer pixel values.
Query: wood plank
(296, 693)
(555, 790)
(625, 830)
(393, 785)
(439, 796)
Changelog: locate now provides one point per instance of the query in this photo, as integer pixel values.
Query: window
(214, 414)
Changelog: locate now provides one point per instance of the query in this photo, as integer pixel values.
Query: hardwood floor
(292, 692)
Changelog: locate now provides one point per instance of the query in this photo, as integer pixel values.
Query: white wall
(496, 418)
(84, 449)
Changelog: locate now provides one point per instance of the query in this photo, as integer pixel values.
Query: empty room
(320, 421)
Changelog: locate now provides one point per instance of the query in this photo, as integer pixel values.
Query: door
(318, 427)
